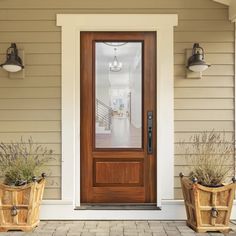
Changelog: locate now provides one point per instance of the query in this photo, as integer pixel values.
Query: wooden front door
(118, 117)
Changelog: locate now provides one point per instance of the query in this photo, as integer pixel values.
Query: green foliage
(210, 155)
(19, 162)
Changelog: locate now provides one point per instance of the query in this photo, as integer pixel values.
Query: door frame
(133, 161)
(72, 25)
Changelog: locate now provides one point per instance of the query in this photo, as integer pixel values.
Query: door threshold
(117, 206)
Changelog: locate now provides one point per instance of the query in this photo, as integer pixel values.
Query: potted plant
(208, 190)
(21, 192)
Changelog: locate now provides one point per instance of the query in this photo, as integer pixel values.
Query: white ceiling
(126, 54)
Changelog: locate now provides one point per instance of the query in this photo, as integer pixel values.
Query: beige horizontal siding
(104, 4)
(205, 92)
(39, 137)
(204, 115)
(54, 182)
(30, 115)
(32, 106)
(50, 15)
(208, 81)
(204, 104)
(32, 37)
(52, 193)
(30, 93)
(201, 125)
(204, 37)
(201, 25)
(210, 47)
(27, 26)
(184, 24)
(27, 126)
(31, 82)
(34, 48)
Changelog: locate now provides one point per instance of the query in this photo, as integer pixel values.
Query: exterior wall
(31, 107)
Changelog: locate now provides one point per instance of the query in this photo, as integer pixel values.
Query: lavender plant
(210, 156)
(19, 162)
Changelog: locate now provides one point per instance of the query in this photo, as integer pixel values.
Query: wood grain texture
(119, 177)
(117, 172)
(208, 209)
(26, 200)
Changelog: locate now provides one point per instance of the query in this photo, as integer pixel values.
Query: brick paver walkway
(115, 228)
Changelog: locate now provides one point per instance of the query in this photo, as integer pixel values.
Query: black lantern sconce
(13, 62)
(195, 63)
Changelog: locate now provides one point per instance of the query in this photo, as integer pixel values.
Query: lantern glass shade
(198, 68)
(196, 62)
(12, 68)
(13, 61)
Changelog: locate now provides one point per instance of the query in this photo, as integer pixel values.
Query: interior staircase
(103, 118)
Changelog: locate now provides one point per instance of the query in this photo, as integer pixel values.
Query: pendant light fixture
(196, 62)
(115, 66)
(13, 61)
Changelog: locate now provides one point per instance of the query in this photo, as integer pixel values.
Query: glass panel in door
(118, 99)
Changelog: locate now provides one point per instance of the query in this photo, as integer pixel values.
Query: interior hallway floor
(123, 135)
(115, 228)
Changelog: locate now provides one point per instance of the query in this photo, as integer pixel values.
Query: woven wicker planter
(208, 209)
(19, 206)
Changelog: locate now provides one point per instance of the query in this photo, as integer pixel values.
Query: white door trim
(72, 25)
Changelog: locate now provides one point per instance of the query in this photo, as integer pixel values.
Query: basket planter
(19, 206)
(207, 208)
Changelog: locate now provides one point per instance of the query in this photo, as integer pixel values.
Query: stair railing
(103, 114)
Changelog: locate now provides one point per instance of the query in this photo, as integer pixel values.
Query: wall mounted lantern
(195, 62)
(14, 62)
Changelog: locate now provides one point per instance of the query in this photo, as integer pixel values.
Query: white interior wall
(102, 93)
(136, 93)
(102, 85)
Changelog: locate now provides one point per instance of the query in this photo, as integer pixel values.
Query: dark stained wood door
(117, 174)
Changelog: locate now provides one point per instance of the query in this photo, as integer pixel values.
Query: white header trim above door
(72, 25)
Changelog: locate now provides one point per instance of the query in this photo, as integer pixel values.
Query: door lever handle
(149, 131)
